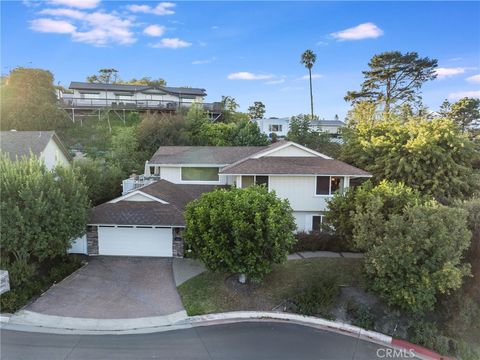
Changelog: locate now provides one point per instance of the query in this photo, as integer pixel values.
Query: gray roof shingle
(78, 85)
(215, 155)
(294, 165)
(151, 212)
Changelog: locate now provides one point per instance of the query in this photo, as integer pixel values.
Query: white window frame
(279, 127)
(255, 180)
(321, 216)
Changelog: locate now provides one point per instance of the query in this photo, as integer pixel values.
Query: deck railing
(134, 104)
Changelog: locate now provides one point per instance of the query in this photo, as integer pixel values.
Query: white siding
(300, 192)
(53, 155)
(79, 246)
(137, 197)
(303, 219)
(291, 150)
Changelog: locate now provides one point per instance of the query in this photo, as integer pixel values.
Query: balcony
(137, 181)
(79, 103)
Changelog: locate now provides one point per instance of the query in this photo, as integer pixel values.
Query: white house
(44, 144)
(281, 126)
(148, 219)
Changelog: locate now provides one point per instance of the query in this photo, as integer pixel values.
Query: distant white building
(281, 126)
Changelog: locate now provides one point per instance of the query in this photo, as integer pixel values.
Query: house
(148, 219)
(46, 145)
(86, 97)
(281, 126)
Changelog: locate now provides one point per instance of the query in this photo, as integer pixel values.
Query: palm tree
(308, 59)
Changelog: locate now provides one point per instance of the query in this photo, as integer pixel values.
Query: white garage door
(134, 241)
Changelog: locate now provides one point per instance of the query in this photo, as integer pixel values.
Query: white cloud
(154, 30)
(363, 31)
(314, 76)
(163, 8)
(245, 75)
(79, 4)
(273, 82)
(97, 28)
(207, 61)
(70, 13)
(52, 26)
(444, 72)
(322, 43)
(174, 43)
(462, 94)
(474, 78)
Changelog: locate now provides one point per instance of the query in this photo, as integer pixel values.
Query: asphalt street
(251, 340)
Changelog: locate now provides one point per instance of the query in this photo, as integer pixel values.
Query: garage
(134, 241)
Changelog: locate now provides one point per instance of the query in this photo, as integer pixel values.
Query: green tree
(215, 134)
(124, 151)
(308, 59)
(464, 112)
(375, 205)
(257, 110)
(104, 76)
(394, 78)
(162, 130)
(302, 133)
(419, 257)
(432, 157)
(102, 180)
(146, 81)
(370, 204)
(41, 212)
(28, 102)
(229, 103)
(248, 133)
(242, 231)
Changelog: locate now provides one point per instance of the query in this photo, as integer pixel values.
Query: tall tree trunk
(387, 98)
(311, 92)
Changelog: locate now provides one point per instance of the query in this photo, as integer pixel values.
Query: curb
(403, 348)
(34, 319)
(35, 322)
(346, 329)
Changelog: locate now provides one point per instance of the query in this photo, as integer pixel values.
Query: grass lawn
(212, 292)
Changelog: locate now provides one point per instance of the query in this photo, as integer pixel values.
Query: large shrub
(418, 256)
(369, 206)
(431, 156)
(240, 230)
(41, 213)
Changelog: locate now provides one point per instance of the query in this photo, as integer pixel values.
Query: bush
(360, 315)
(426, 334)
(318, 241)
(419, 257)
(318, 299)
(54, 271)
(242, 231)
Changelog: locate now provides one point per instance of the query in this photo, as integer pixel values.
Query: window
(328, 185)
(247, 181)
(254, 179)
(199, 173)
(275, 127)
(317, 222)
(334, 184)
(261, 180)
(323, 185)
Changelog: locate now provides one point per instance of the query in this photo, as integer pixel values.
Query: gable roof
(18, 144)
(151, 212)
(293, 165)
(77, 85)
(213, 155)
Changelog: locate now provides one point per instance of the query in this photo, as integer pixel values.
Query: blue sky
(248, 50)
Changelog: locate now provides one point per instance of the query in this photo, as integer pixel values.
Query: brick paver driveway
(114, 288)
